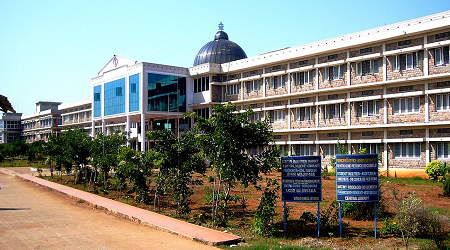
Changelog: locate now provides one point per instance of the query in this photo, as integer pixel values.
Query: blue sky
(50, 50)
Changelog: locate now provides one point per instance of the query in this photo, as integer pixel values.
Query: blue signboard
(301, 179)
(357, 178)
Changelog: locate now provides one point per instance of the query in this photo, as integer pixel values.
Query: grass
(418, 181)
(8, 163)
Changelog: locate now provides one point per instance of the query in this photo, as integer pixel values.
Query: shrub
(409, 217)
(434, 170)
(446, 187)
(414, 219)
(263, 220)
(390, 228)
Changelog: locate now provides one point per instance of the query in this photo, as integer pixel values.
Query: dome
(220, 50)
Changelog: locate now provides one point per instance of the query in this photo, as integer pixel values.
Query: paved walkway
(188, 230)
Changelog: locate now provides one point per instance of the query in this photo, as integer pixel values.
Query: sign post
(301, 181)
(357, 181)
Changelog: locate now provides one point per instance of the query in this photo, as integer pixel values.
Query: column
(143, 132)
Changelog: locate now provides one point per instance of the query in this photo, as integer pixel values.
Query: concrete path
(187, 230)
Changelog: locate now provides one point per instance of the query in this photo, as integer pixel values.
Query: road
(32, 217)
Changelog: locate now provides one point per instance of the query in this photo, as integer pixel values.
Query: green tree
(79, 145)
(105, 150)
(181, 158)
(227, 138)
(137, 168)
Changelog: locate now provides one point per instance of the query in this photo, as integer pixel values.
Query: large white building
(384, 89)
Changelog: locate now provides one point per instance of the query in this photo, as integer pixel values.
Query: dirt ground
(32, 217)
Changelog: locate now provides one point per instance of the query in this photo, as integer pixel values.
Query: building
(76, 115)
(10, 127)
(42, 124)
(385, 89)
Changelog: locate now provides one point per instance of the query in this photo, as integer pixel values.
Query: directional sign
(301, 179)
(357, 178)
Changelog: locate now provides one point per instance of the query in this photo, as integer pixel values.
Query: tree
(79, 145)
(137, 168)
(105, 150)
(227, 138)
(181, 157)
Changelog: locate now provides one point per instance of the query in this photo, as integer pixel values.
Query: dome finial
(220, 26)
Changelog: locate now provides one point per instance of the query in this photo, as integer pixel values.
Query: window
(367, 67)
(332, 111)
(329, 150)
(443, 150)
(303, 114)
(371, 148)
(407, 150)
(118, 91)
(278, 81)
(204, 112)
(334, 73)
(441, 56)
(405, 61)
(304, 150)
(253, 85)
(302, 78)
(442, 102)
(233, 89)
(407, 105)
(367, 108)
(201, 84)
(277, 115)
(255, 117)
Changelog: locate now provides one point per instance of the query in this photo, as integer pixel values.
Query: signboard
(301, 179)
(357, 178)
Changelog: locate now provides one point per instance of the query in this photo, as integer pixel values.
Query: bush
(414, 220)
(390, 228)
(446, 187)
(263, 220)
(434, 169)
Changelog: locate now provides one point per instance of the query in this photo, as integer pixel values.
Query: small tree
(105, 150)
(181, 157)
(227, 137)
(263, 219)
(409, 217)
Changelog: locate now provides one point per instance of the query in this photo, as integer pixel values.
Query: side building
(76, 115)
(42, 124)
(10, 127)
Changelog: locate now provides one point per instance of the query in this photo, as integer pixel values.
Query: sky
(50, 50)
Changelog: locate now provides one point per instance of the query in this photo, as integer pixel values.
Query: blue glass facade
(164, 91)
(97, 101)
(115, 97)
(133, 86)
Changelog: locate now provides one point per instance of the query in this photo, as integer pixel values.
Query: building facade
(385, 90)
(76, 115)
(10, 127)
(42, 124)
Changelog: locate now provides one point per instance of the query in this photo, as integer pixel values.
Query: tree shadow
(13, 208)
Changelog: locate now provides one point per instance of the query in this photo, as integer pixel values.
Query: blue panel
(301, 179)
(114, 97)
(357, 178)
(133, 82)
(97, 101)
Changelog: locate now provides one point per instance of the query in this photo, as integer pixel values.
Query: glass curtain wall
(166, 93)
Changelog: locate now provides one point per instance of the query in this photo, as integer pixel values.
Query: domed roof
(220, 50)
